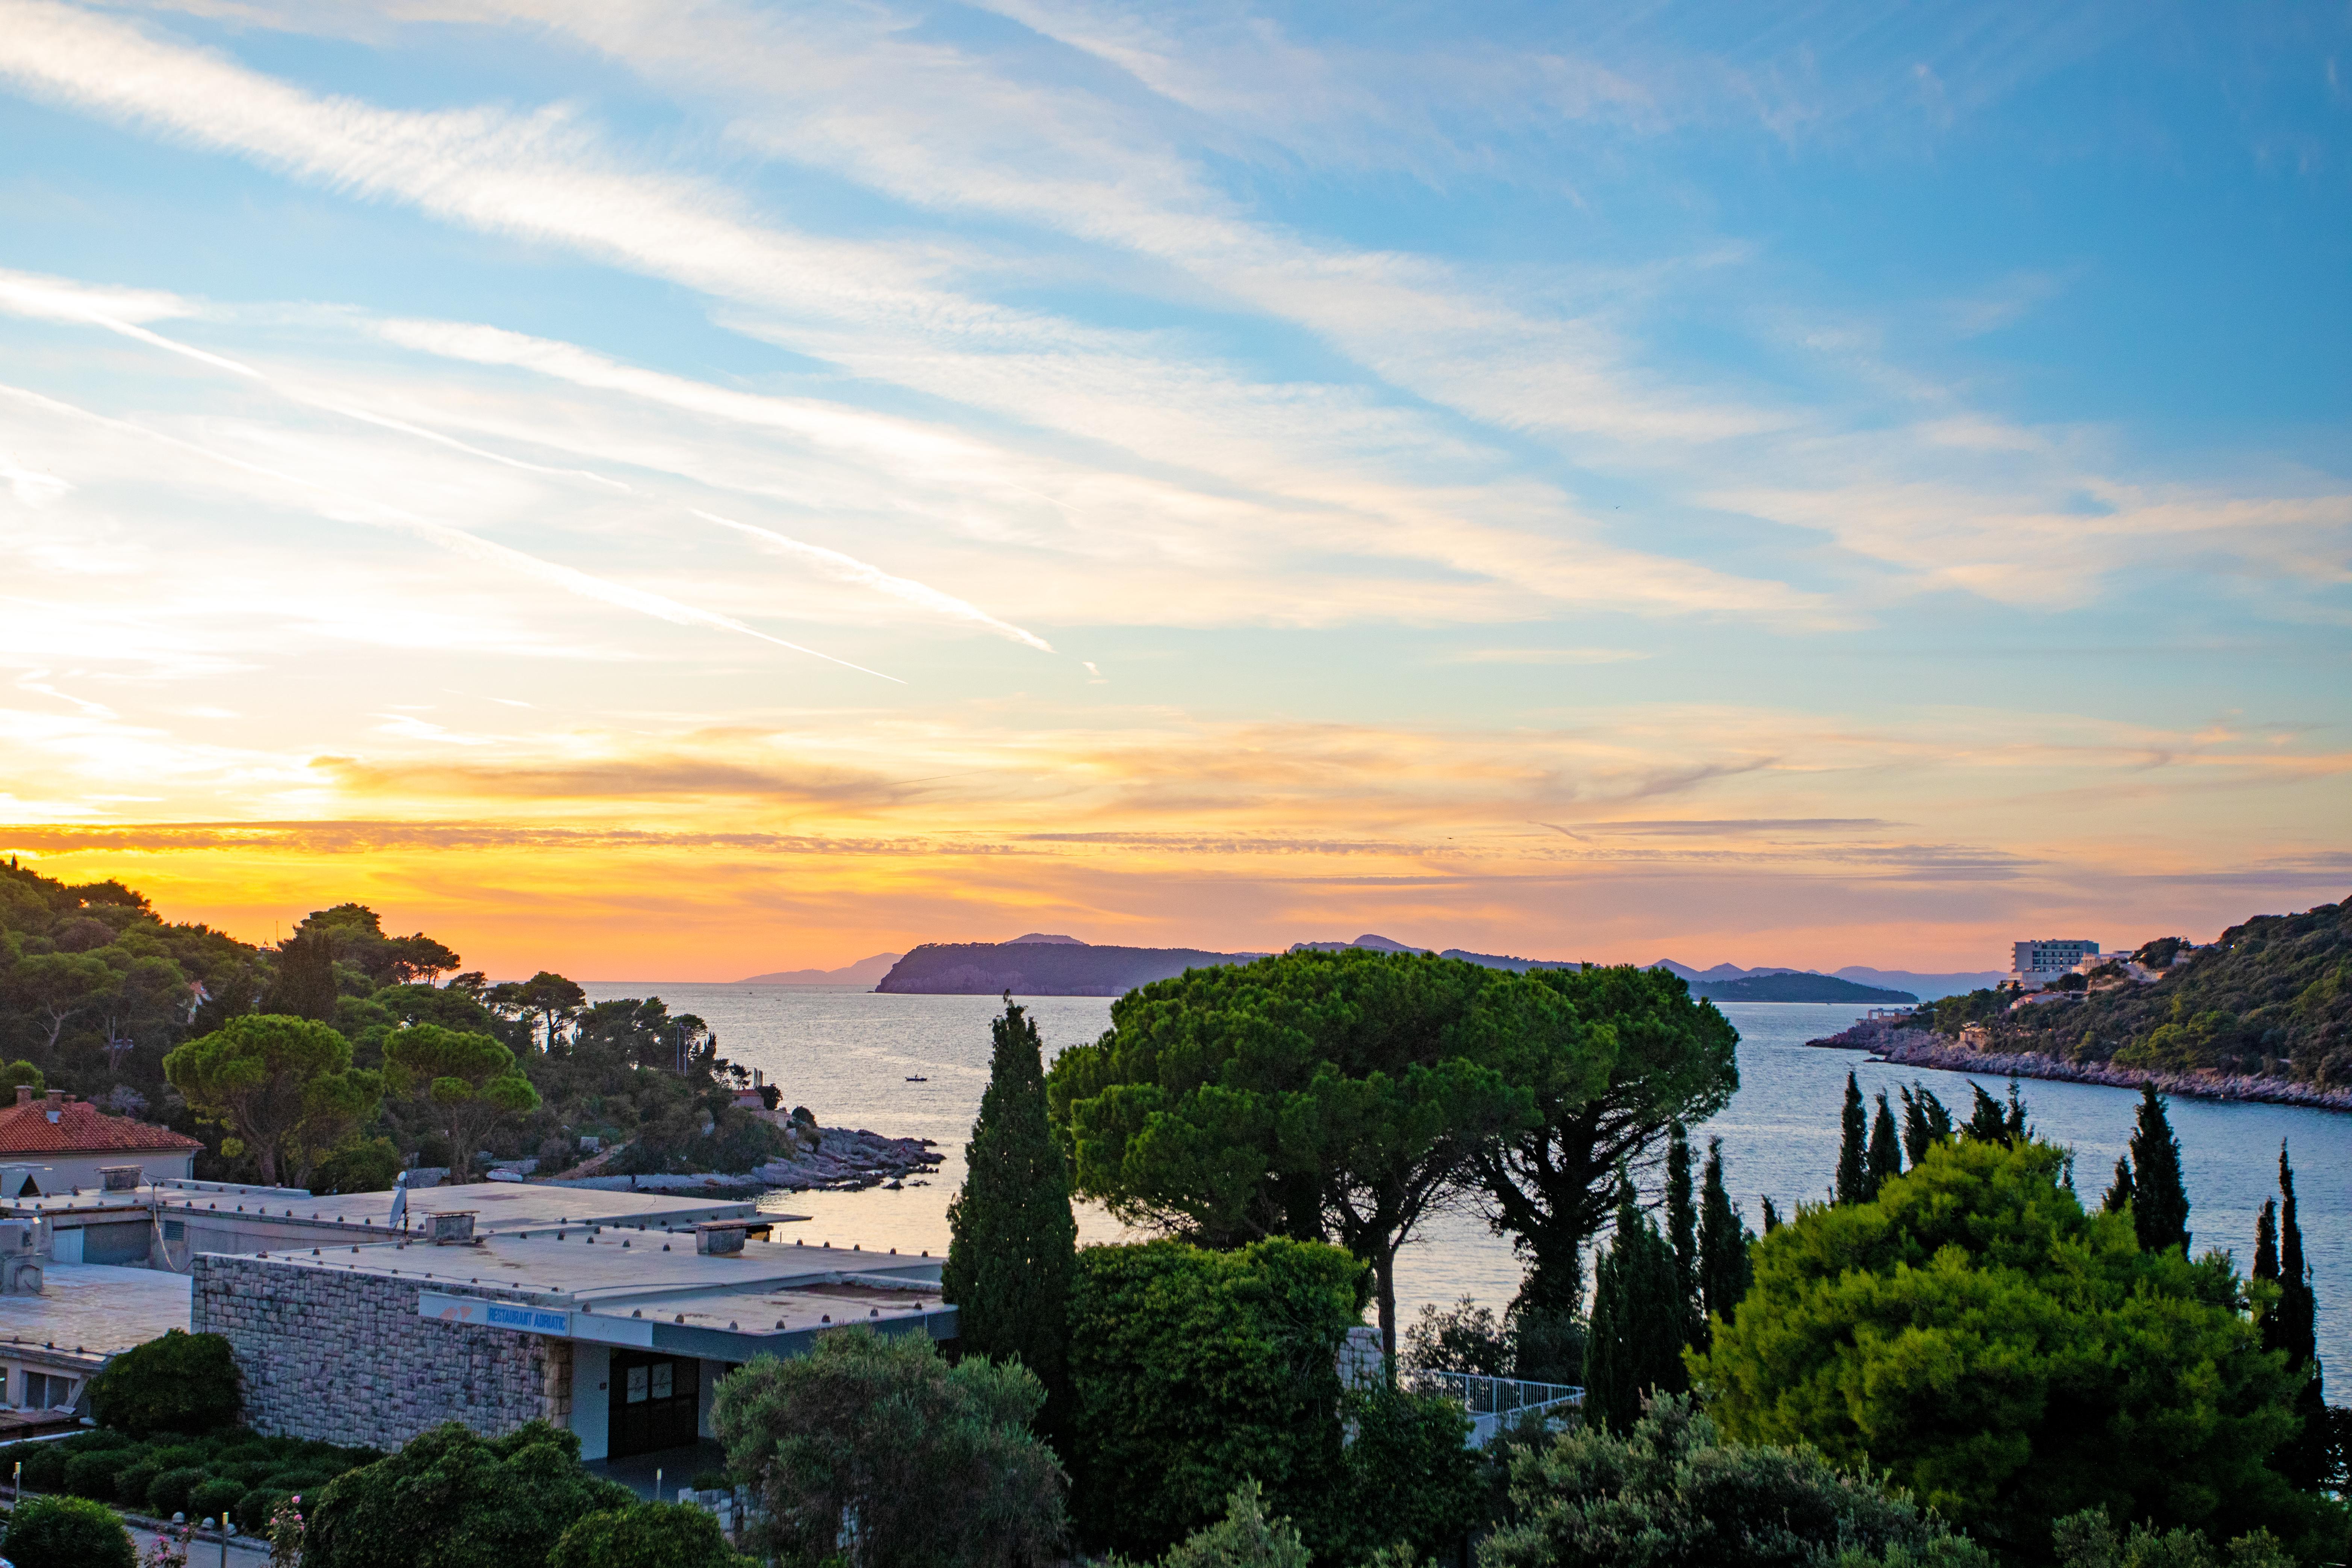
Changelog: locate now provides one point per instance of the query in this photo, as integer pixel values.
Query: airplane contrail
(454, 539)
(850, 569)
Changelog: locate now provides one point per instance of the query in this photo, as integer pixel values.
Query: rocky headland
(1890, 1039)
(824, 1159)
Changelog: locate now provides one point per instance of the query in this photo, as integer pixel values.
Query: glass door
(656, 1402)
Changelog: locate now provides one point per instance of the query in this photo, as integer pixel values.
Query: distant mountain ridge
(864, 972)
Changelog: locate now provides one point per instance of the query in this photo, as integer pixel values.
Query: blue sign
(530, 1319)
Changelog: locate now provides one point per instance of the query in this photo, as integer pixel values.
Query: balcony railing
(1493, 1403)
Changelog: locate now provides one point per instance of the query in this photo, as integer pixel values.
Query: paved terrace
(96, 1308)
(272, 1216)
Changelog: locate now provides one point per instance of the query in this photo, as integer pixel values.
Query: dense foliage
(451, 1498)
(180, 1382)
(877, 1453)
(2272, 995)
(2087, 1539)
(238, 1472)
(1192, 1370)
(66, 1532)
(1668, 1494)
(646, 1535)
(2010, 1359)
(1012, 1247)
(281, 1050)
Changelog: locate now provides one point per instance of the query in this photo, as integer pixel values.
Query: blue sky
(1821, 485)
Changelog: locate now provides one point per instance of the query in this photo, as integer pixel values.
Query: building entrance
(656, 1402)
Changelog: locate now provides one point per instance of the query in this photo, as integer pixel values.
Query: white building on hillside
(2036, 963)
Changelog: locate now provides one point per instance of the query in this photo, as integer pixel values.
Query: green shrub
(647, 1535)
(1193, 1371)
(131, 1484)
(96, 1442)
(174, 1456)
(253, 1509)
(494, 1501)
(45, 1466)
(167, 1494)
(67, 1532)
(215, 1498)
(181, 1382)
(92, 1475)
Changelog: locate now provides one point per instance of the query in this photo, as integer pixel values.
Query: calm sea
(847, 1054)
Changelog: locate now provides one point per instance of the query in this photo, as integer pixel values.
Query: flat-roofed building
(617, 1332)
(166, 1225)
(53, 1344)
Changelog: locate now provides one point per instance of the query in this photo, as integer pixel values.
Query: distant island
(1788, 985)
(1041, 965)
(864, 972)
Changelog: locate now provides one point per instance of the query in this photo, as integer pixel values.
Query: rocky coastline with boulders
(824, 1159)
(1892, 1041)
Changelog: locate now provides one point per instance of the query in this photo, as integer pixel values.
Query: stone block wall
(344, 1357)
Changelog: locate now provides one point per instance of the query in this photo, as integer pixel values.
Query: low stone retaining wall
(1923, 1048)
(345, 1358)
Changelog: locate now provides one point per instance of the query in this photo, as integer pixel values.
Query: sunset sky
(669, 490)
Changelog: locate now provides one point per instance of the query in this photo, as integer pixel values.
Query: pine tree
(1636, 1338)
(1885, 1152)
(1926, 1122)
(2119, 1196)
(2305, 1460)
(2159, 1200)
(1013, 1244)
(1682, 1227)
(1724, 1268)
(1854, 1147)
(2015, 1129)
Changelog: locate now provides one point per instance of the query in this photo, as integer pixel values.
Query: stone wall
(343, 1356)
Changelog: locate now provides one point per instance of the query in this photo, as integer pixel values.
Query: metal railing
(1493, 1403)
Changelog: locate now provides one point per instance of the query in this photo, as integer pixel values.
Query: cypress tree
(1771, 1218)
(2119, 1196)
(1987, 1124)
(1636, 1337)
(2159, 1200)
(1926, 1122)
(1724, 1268)
(1013, 1244)
(2305, 1460)
(1854, 1147)
(2266, 1267)
(1885, 1152)
(1682, 1227)
(2015, 1129)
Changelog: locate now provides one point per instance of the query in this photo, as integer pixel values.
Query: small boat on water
(917, 1077)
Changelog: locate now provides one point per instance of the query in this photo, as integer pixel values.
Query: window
(638, 1376)
(43, 1390)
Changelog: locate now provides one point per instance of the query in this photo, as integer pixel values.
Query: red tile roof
(80, 1127)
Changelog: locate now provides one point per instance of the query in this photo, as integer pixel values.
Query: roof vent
(119, 1178)
(714, 1237)
(447, 1226)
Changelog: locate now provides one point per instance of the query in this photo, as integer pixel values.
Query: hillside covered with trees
(369, 1057)
(2273, 996)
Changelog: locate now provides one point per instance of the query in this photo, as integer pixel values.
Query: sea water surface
(848, 1054)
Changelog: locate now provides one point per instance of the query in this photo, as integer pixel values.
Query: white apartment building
(2036, 963)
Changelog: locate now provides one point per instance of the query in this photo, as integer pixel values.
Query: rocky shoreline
(834, 1160)
(1886, 1038)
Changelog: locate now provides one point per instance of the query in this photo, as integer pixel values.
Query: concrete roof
(497, 1205)
(96, 1308)
(621, 1287)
